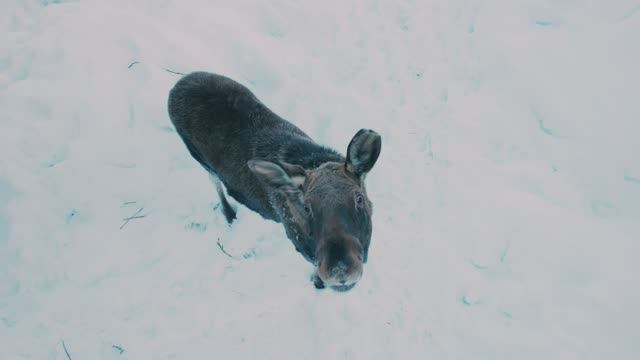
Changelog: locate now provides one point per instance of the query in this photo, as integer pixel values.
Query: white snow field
(506, 196)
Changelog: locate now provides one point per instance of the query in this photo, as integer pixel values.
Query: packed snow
(506, 197)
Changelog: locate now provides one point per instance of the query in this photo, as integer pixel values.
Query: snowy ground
(507, 194)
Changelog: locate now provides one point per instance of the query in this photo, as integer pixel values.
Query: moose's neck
(308, 154)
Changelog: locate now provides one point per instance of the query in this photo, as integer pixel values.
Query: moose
(272, 167)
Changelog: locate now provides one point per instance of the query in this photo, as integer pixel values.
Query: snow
(507, 193)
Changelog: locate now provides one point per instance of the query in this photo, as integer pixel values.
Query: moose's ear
(363, 151)
(296, 172)
(275, 175)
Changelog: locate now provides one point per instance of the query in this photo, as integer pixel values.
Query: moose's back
(223, 126)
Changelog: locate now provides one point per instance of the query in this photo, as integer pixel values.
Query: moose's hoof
(317, 282)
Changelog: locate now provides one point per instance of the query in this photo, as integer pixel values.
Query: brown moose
(273, 168)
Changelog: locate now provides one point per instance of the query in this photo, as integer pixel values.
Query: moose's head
(326, 211)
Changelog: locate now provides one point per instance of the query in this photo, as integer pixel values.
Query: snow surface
(507, 194)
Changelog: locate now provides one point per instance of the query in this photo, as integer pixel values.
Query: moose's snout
(339, 271)
(340, 264)
(341, 277)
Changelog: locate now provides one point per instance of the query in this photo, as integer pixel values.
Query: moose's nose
(339, 270)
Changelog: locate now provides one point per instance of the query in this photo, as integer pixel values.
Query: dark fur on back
(223, 124)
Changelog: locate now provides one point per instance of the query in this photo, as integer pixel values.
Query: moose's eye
(307, 209)
(359, 200)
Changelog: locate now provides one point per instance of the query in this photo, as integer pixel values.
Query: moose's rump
(202, 105)
(213, 114)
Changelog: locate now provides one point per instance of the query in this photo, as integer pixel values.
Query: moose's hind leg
(227, 210)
